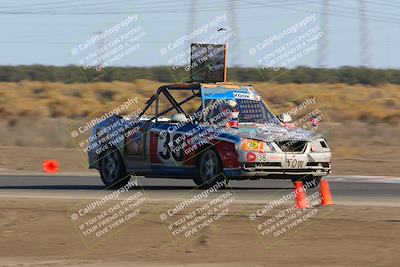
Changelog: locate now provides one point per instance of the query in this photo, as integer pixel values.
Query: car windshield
(250, 111)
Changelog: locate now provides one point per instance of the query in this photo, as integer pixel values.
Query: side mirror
(285, 118)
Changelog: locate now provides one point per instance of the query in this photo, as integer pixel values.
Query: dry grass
(347, 151)
(57, 100)
(341, 102)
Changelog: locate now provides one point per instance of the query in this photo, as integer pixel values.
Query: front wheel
(112, 170)
(209, 169)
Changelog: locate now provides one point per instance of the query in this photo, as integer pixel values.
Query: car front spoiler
(272, 172)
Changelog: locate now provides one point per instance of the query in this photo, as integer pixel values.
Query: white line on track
(364, 179)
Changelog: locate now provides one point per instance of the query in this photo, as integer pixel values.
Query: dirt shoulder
(40, 232)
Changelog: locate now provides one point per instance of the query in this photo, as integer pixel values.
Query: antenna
(225, 52)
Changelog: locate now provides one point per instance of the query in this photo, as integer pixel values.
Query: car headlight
(256, 145)
(319, 145)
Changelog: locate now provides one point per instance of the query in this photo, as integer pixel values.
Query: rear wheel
(112, 170)
(311, 181)
(209, 169)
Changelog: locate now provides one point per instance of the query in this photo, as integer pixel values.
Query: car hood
(268, 132)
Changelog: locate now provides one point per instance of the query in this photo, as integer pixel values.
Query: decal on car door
(170, 148)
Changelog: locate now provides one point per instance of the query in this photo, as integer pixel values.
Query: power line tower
(324, 40)
(234, 29)
(100, 52)
(192, 19)
(365, 40)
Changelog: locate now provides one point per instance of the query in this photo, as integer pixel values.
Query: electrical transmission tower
(100, 51)
(324, 40)
(365, 41)
(192, 19)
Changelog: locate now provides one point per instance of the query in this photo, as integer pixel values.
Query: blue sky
(44, 38)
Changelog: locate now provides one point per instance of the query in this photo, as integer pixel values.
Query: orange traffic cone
(326, 197)
(50, 166)
(301, 197)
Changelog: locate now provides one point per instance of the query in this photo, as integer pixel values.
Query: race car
(229, 133)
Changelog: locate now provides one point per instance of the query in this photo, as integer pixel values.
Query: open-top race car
(230, 135)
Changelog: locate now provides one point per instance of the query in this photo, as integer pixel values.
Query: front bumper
(315, 164)
(267, 172)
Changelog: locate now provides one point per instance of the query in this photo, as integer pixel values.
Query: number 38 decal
(170, 145)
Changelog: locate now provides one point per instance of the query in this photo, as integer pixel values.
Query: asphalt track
(348, 190)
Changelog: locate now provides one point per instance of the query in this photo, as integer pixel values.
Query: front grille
(263, 164)
(292, 146)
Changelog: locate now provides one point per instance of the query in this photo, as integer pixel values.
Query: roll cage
(195, 88)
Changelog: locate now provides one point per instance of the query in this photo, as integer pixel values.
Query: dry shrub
(341, 102)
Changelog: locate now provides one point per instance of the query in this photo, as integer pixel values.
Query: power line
(61, 4)
(343, 14)
(67, 8)
(169, 9)
(382, 3)
(386, 15)
(348, 10)
(39, 4)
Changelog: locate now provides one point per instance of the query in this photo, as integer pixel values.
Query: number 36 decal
(169, 145)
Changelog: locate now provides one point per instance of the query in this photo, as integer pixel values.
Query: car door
(167, 147)
(136, 147)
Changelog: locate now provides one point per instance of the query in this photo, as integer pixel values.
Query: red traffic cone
(326, 197)
(301, 197)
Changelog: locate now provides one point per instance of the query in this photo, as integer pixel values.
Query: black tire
(209, 169)
(309, 180)
(112, 170)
